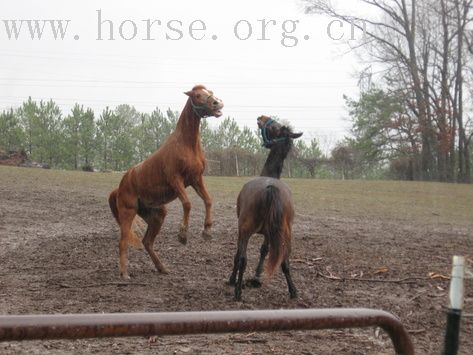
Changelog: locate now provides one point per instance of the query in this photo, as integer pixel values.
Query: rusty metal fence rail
(74, 326)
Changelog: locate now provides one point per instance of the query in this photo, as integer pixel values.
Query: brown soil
(58, 252)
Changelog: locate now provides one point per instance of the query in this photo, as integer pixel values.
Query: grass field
(423, 202)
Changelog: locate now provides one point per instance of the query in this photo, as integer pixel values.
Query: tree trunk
(236, 165)
(443, 147)
(462, 144)
(424, 120)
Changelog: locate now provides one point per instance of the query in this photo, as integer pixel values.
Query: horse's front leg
(201, 190)
(186, 207)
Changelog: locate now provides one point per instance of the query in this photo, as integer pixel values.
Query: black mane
(278, 153)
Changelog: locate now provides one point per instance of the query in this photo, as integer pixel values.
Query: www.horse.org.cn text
(284, 32)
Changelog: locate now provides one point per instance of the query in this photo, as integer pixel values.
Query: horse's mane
(199, 87)
(278, 153)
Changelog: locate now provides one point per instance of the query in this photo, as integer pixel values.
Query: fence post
(455, 306)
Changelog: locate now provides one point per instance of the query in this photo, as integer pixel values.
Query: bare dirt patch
(59, 254)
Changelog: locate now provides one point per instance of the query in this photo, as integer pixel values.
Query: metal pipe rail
(74, 326)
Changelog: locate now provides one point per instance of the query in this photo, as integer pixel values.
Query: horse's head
(204, 103)
(273, 132)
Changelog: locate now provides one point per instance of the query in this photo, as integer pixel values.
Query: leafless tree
(425, 49)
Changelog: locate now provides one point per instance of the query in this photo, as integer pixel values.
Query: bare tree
(421, 44)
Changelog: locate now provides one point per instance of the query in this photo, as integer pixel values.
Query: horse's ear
(188, 93)
(295, 135)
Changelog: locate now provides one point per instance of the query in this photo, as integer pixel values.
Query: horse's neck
(188, 127)
(275, 161)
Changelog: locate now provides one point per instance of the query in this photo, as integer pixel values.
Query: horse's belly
(158, 198)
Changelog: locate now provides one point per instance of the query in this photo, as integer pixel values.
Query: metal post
(146, 324)
(455, 306)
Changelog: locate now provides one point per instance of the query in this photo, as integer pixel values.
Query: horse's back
(258, 185)
(251, 203)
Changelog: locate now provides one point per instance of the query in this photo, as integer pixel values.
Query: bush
(89, 168)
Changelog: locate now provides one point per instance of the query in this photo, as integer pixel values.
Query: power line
(158, 85)
(6, 99)
(150, 59)
(174, 83)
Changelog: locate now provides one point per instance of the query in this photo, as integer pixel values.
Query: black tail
(274, 225)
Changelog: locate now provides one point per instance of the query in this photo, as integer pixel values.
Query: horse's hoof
(253, 283)
(206, 235)
(182, 237)
(230, 283)
(163, 270)
(125, 276)
(293, 295)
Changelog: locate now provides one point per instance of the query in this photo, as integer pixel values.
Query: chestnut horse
(147, 187)
(265, 206)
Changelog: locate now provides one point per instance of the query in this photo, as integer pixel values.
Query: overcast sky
(301, 78)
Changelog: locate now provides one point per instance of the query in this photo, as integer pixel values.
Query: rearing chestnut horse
(265, 206)
(146, 188)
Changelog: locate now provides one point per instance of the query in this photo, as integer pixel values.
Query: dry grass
(421, 202)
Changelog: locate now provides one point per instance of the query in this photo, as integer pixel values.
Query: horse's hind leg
(236, 260)
(232, 280)
(239, 264)
(126, 216)
(290, 283)
(155, 220)
(256, 281)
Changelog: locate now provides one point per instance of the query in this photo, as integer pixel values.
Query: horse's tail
(138, 224)
(112, 201)
(274, 223)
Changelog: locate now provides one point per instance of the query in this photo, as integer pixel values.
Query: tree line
(121, 137)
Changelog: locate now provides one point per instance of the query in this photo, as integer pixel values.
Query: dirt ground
(59, 254)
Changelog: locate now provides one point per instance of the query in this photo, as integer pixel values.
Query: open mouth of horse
(217, 111)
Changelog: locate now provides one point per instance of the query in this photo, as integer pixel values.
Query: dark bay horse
(146, 188)
(265, 206)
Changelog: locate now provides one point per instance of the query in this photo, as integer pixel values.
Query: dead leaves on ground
(311, 262)
(358, 275)
(381, 270)
(437, 276)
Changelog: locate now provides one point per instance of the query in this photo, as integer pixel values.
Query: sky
(252, 54)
